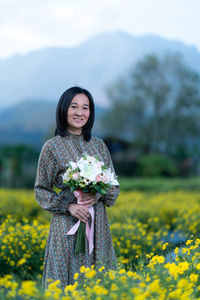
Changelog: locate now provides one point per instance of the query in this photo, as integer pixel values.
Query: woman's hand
(79, 211)
(88, 199)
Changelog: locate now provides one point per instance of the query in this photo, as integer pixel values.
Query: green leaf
(99, 189)
(80, 239)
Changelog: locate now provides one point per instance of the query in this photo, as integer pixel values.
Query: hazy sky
(26, 25)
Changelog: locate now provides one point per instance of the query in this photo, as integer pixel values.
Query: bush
(125, 167)
(154, 165)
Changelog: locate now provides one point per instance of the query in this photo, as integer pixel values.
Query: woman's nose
(79, 112)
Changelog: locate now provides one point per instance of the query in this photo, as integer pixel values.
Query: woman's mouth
(78, 120)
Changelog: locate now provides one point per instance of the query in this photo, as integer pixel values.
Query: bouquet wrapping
(88, 174)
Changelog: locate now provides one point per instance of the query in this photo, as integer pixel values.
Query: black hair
(62, 110)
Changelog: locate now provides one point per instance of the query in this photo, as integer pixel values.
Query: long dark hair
(62, 110)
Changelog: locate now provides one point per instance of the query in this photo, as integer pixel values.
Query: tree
(157, 105)
(18, 165)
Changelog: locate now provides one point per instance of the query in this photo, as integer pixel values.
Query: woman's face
(78, 113)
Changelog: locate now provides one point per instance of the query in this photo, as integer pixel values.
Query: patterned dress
(60, 261)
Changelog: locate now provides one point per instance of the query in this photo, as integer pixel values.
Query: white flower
(66, 176)
(109, 175)
(89, 167)
(73, 165)
(88, 171)
(75, 176)
(86, 181)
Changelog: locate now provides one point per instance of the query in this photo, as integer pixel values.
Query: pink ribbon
(89, 230)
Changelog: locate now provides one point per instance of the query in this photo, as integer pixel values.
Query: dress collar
(69, 134)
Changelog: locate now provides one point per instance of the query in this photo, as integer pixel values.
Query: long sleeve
(47, 171)
(112, 194)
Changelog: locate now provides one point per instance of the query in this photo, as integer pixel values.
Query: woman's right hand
(79, 211)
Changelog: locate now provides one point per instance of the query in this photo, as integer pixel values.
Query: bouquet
(88, 174)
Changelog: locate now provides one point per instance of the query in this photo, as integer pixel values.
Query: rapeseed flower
(28, 289)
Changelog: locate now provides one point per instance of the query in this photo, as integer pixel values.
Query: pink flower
(75, 176)
(105, 179)
(98, 178)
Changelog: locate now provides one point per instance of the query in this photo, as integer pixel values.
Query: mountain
(32, 122)
(96, 63)
(46, 73)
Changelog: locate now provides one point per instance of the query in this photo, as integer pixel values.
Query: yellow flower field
(159, 279)
(156, 238)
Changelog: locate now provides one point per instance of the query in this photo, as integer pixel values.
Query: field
(155, 229)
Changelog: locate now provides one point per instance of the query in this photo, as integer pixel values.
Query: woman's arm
(47, 171)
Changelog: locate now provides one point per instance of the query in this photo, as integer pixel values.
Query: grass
(159, 184)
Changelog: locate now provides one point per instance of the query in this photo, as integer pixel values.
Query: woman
(74, 119)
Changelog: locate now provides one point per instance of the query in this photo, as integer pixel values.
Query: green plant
(154, 165)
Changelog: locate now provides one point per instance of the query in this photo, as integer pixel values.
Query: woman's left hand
(88, 199)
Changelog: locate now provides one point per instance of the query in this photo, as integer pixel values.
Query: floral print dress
(60, 261)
